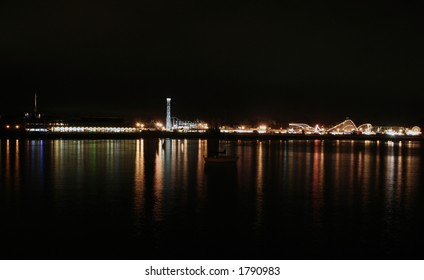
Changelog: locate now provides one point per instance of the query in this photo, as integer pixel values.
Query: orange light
(17, 126)
(7, 126)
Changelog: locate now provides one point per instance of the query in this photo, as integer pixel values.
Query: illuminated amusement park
(35, 123)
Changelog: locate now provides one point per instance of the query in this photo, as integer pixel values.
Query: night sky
(219, 60)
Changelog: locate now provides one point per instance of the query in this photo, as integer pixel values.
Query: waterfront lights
(159, 125)
(393, 132)
(91, 129)
(415, 131)
(139, 125)
(202, 125)
(262, 128)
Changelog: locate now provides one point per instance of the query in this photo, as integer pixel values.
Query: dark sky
(219, 60)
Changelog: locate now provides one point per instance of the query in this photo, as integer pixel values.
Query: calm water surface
(155, 199)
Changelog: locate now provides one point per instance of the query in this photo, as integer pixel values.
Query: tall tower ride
(35, 103)
(168, 114)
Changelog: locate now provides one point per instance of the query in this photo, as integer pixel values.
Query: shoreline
(194, 135)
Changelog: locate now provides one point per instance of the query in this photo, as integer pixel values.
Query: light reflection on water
(312, 192)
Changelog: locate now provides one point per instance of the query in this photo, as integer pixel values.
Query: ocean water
(156, 199)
